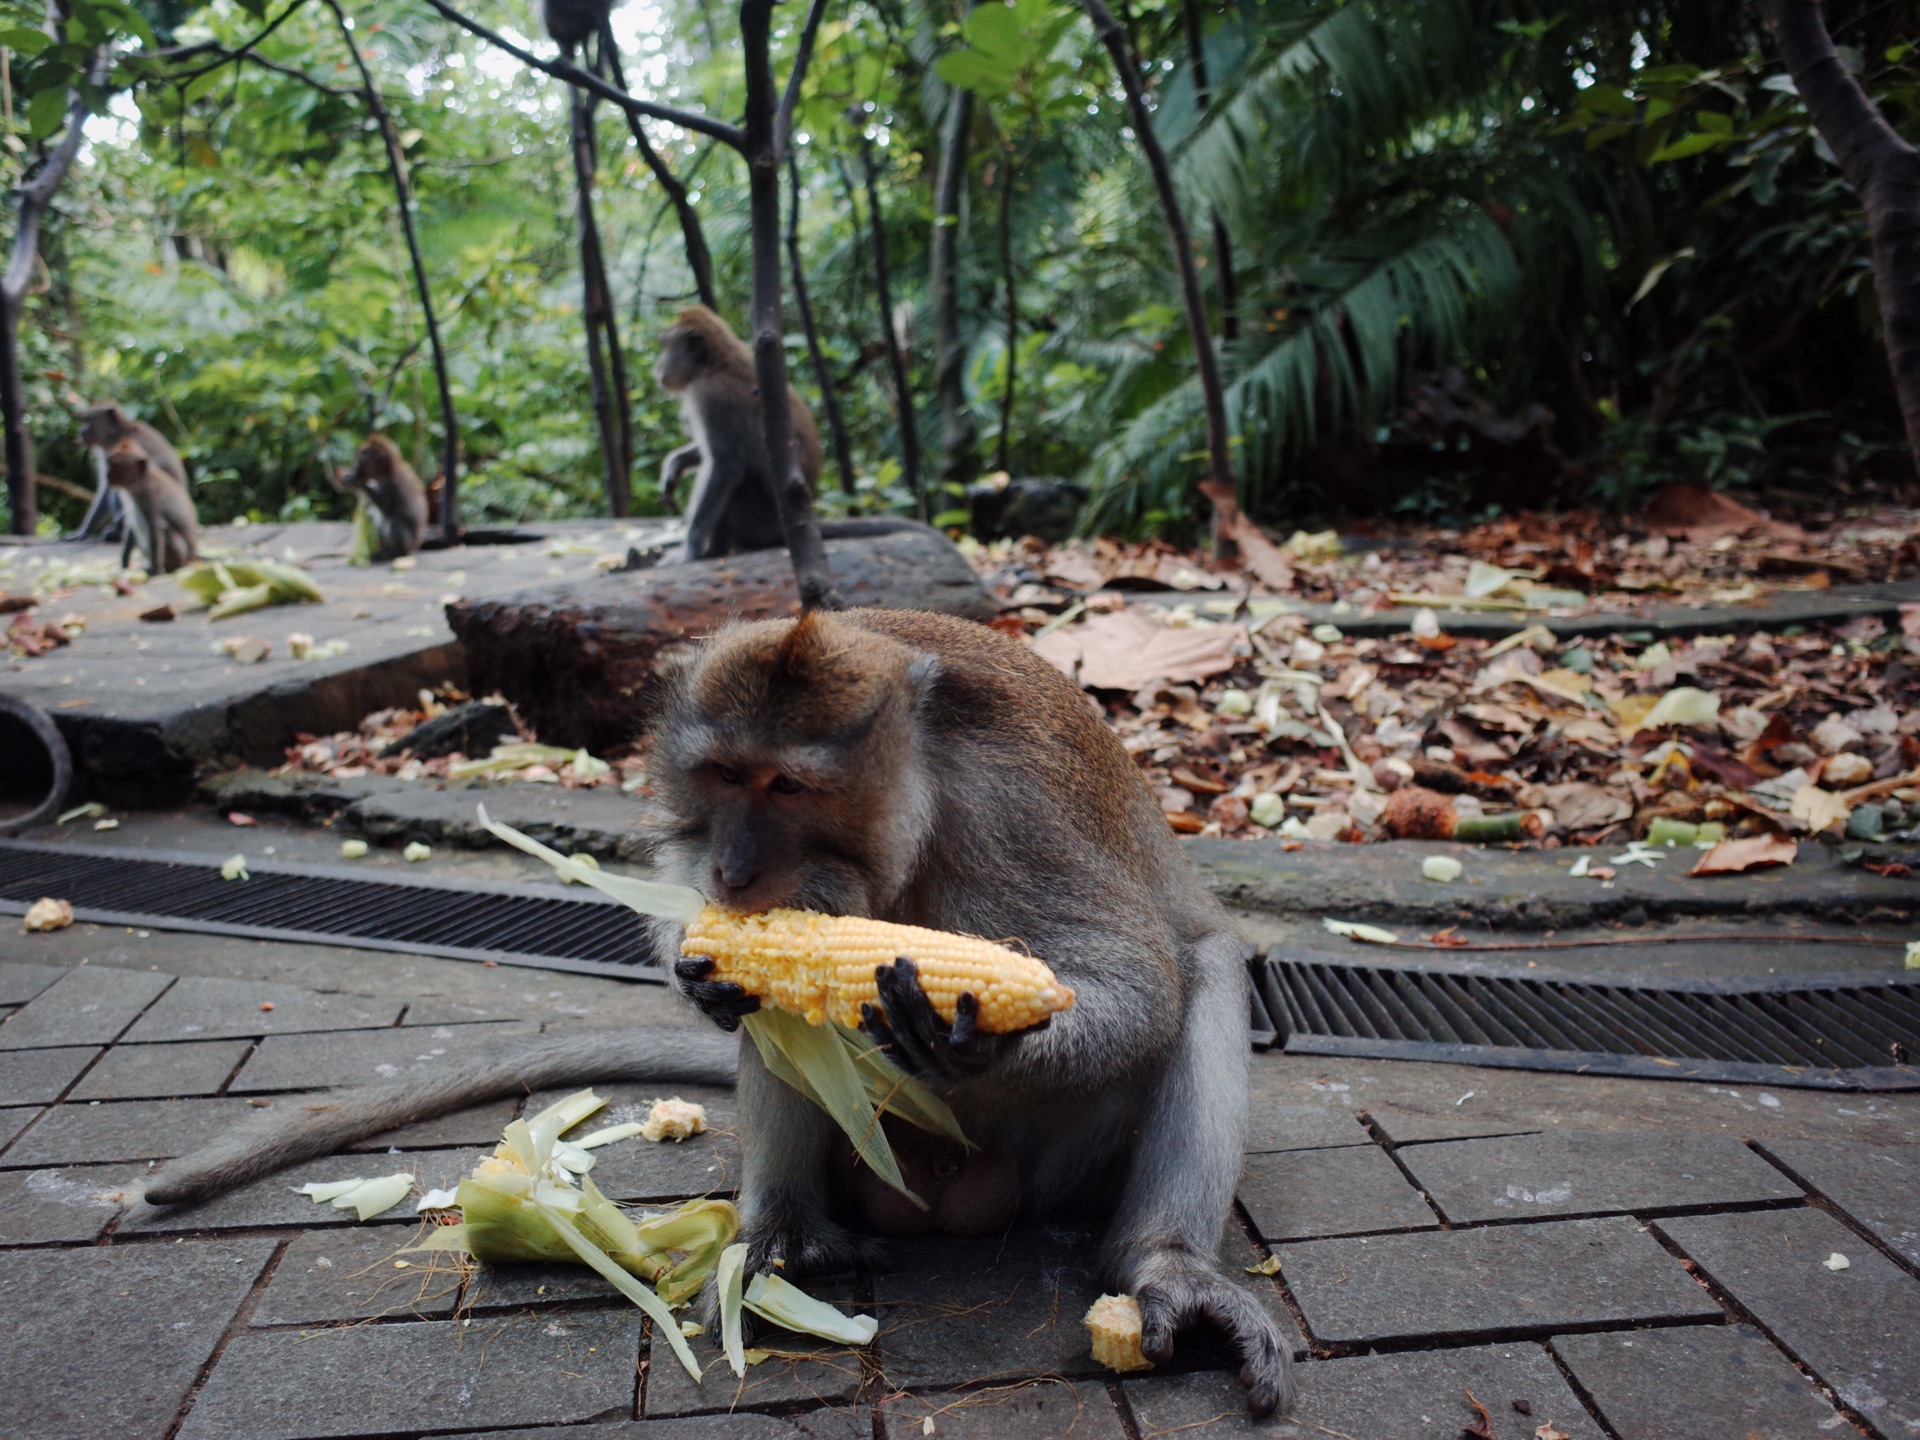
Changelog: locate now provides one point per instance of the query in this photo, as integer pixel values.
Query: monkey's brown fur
(163, 519)
(107, 424)
(394, 491)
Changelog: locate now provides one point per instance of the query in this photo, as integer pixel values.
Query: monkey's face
(684, 357)
(102, 426)
(126, 466)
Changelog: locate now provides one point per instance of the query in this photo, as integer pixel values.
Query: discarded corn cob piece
(820, 967)
(1115, 1324)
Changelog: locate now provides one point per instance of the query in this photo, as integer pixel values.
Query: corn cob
(1115, 1324)
(820, 967)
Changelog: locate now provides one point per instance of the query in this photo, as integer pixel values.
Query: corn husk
(233, 587)
(787, 1305)
(836, 1068)
(366, 1198)
(366, 540)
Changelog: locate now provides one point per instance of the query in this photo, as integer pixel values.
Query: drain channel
(1844, 1036)
(506, 923)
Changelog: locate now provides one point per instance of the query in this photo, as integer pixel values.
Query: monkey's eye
(786, 785)
(729, 776)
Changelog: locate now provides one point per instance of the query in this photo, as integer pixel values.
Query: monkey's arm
(686, 458)
(101, 492)
(299, 1129)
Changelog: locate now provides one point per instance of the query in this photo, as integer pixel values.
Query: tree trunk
(822, 372)
(403, 191)
(1222, 242)
(1882, 169)
(959, 435)
(699, 258)
(896, 362)
(595, 309)
(1179, 239)
(762, 155)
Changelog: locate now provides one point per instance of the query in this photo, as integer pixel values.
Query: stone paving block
(1037, 1410)
(1854, 1328)
(1305, 1193)
(1204, 1347)
(1273, 1127)
(92, 1133)
(1877, 1185)
(1502, 1279)
(476, 1125)
(519, 1287)
(426, 1375)
(1521, 1177)
(89, 1005)
(361, 1057)
(39, 1077)
(1417, 1396)
(161, 1072)
(1412, 1124)
(39, 1207)
(202, 1007)
(106, 1343)
(20, 982)
(823, 1424)
(960, 1311)
(801, 1369)
(349, 1274)
(272, 1200)
(1697, 1380)
(13, 1121)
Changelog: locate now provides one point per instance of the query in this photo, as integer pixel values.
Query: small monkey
(394, 493)
(732, 507)
(570, 23)
(159, 512)
(917, 768)
(105, 426)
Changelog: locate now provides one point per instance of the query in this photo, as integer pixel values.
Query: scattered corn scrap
(674, 1119)
(1114, 1323)
(47, 913)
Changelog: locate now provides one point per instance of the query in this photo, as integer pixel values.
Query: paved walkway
(1579, 1256)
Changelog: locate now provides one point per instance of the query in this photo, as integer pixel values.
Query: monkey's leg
(785, 1145)
(102, 498)
(299, 1128)
(1164, 1241)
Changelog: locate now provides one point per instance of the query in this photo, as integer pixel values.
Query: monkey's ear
(801, 648)
(923, 673)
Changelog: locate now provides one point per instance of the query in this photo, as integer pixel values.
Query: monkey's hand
(912, 1035)
(721, 1001)
(1174, 1291)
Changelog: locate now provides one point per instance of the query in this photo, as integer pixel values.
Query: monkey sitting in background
(394, 494)
(107, 425)
(159, 513)
(918, 768)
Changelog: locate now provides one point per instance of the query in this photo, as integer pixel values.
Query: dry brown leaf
(1130, 649)
(1820, 809)
(1731, 857)
(1579, 805)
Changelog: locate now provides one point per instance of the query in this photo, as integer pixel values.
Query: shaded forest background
(1478, 254)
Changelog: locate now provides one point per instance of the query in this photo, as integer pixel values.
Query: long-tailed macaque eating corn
(820, 967)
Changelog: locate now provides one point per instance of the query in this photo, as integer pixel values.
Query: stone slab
(13, 1121)
(823, 1424)
(638, 1169)
(1038, 1410)
(89, 1005)
(20, 980)
(96, 1133)
(202, 1007)
(1524, 1177)
(1302, 1194)
(351, 1274)
(1422, 1394)
(273, 1201)
(1501, 1280)
(361, 1057)
(378, 1379)
(602, 822)
(521, 1287)
(40, 1207)
(1276, 1124)
(141, 1072)
(108, 1342)
(1697, 1380)
(1878, 1186)
(1855, 1328)
(39, 1077)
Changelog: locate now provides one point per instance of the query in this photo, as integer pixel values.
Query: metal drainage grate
(506, 923)
(1845, 1035)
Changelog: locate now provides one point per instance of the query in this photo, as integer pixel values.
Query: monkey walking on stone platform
(157, 509)
(917, 768)
(394, 494)
(105, 426)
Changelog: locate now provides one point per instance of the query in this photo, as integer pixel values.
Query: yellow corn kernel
(1115, 1324)
(820, 967)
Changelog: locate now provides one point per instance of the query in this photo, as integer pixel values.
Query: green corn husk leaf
(664, 1325)
(728, 1277)
(790, 1307)
(290, 584)
(366, 541)
(239, 602)
(649, 897)
(894, 1092)
(701, 1230)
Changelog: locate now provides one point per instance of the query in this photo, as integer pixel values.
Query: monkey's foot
(812, 1245)
(910, 1032)
(1174, 1293)
(721, 1001)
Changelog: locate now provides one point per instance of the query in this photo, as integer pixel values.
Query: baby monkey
(160, 517)
(394, 494)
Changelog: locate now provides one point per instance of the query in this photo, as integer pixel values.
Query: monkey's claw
(910, 1032)
(721, 1001)
(1181, 1294)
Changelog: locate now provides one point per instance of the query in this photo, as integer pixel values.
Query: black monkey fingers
(721, 1001)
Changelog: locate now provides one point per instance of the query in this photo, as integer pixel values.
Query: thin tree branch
(226, 56)
(802, 58)
(692, 234)
(584, 80)
(822, 372)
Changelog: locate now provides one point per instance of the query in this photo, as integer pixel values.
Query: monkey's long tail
(300, 1128)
